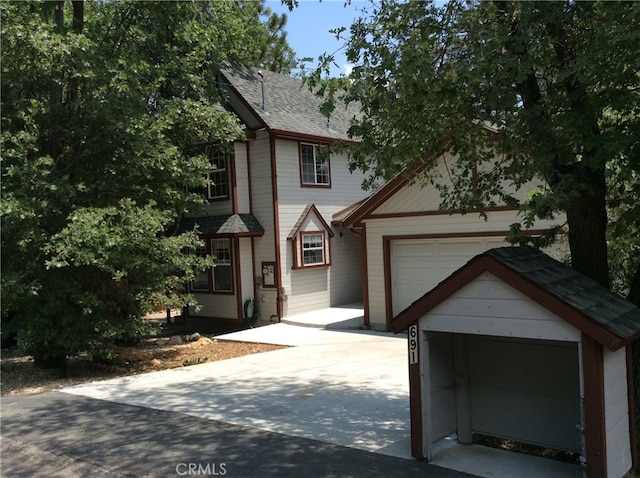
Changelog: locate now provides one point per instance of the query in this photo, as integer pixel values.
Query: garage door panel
(460, 249)
(417, 266)
(409, 249)
(415, 280)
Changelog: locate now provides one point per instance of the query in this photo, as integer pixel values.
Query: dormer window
(310, 239)
(313, 248)
(314, 165)
(218, 182)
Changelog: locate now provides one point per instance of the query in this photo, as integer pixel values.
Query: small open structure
(516, 345)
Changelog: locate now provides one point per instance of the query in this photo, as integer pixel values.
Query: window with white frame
(314, 165)
(218, 181)
(222, 271)
(313, 249)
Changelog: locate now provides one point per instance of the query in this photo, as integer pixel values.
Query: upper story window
(218, 179)
(314, 165)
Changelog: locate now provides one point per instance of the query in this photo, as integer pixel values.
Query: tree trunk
(634, 290)
(78, 16)
(78, 26)
(587, 220)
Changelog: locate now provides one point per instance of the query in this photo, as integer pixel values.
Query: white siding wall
(216, 305)
(488, 306)
(413, 198)
(312, 289)
(242, 177)
(346, 280)
(262, 199)
(402, 226)
(416, 198)
(616, 413)
(425, 197)
(246, 269)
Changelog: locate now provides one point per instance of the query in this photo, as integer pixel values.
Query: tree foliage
(104, 105)
(558, 81)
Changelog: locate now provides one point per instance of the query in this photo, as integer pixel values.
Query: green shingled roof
(598, 303)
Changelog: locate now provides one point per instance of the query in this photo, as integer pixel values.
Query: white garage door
(417, 266)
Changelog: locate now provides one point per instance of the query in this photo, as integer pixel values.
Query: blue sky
(308, 28)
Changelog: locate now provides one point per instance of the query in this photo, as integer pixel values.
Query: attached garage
(515, 345)
(410, 244)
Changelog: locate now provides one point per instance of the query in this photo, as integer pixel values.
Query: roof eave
(387, 190)
(245, 103)
(280, 133)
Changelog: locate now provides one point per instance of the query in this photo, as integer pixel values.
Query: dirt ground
(19, 376)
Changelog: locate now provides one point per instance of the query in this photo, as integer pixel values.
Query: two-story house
(271, 202)
(292, 229)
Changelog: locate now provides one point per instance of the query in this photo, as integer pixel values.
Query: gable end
(490, 262)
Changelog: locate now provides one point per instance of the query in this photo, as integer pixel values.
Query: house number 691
(413, 344)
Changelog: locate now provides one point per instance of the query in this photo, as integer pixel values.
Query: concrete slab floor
(492, 463)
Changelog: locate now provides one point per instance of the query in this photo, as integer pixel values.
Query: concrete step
(334, 318)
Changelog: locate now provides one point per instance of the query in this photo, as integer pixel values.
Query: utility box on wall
(516, 345)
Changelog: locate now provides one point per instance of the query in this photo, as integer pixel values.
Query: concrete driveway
(346, 388)
(335, 405)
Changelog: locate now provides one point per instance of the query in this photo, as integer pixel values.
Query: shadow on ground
(49, 431)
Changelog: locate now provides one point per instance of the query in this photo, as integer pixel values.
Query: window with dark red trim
(314, 165)
(311, 249)
(218, 177)
(222, 270)
(219, 278)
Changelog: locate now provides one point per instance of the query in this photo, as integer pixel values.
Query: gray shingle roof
(296, 226)
(290, 106)
(242, 224)
(595, 301)
(309, 209)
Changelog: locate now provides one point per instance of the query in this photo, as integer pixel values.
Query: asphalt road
(61, 435)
